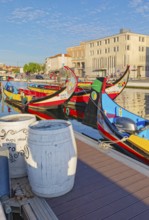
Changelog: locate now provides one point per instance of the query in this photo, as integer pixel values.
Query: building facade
(78, 58)
(111, 55)
(54, 63)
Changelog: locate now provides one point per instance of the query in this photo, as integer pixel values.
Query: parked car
(39, 77)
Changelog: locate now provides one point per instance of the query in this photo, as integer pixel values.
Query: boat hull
(121, 129)
(82, 91)
(44, 100)
(130, 135)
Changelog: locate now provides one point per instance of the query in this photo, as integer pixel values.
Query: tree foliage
(17, 70)
(33, 68)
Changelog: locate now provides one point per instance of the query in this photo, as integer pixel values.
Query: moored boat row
(122, 129)
(49, 97)
(41, 100)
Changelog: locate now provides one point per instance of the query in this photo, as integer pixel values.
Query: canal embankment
(138, 84)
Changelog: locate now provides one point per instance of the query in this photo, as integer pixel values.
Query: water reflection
(65, 112)
(135, 100)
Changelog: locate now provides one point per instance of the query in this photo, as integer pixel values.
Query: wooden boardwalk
(107, 186)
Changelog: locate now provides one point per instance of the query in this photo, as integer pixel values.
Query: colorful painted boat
(82, 95)
(20, 96)
(85, 84)
(52, 88)
(49, 89)
(72, 111)
(122, 129)
(113, 90)
(42, 100)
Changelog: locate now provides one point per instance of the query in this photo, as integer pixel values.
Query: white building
(54, 63)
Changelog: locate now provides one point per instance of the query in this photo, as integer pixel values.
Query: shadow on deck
(104, 189)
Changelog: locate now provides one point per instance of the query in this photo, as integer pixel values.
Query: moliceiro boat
(124, 130)
(81, 95)
(41, 100)
(113, 90)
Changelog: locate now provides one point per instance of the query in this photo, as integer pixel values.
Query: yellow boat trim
(16, 97)
(84, 85)
(140, 142)
(48, 91)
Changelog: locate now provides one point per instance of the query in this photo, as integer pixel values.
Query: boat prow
(124, 130)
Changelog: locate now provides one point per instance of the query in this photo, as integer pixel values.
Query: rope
(107, 144)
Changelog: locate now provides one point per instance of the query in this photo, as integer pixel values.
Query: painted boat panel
(107, 111)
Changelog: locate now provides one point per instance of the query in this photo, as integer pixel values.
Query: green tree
(32, 67)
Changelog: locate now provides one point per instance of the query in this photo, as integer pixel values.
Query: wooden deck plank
(104, 189)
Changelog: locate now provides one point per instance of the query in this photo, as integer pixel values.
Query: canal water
(135, 100)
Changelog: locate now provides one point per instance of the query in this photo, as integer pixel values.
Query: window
(141, 49)
(116, 48)
(116, 39)
(128, 37)
(141, 39)
(91, 45)
(127, 47)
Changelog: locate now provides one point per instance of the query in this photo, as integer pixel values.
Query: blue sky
(31, 30)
